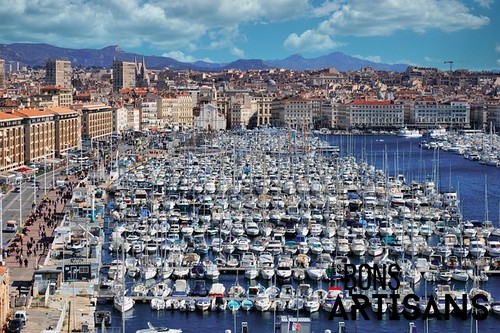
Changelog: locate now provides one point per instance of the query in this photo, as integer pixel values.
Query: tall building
(124, 74)
(2, 73)
(58, 73)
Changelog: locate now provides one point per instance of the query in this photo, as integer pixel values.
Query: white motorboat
(158, 329)
(123, 303)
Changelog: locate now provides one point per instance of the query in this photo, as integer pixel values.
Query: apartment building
(58, 73)
(124, 75)
(375, 114)
(430, 112)
(67, 130)
(241, 113)
(183, 113)
(149, 114)
(97, 120)
(120, 120)
(11, 141)
(60, 96)
(39, 133)
(293, 113)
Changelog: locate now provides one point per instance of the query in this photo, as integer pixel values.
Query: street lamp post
(67, 159)
(34, 186)
(45, 174)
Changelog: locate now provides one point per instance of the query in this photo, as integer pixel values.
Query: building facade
(375, 114)
(455, 114)
(11, 141)
(58, 73)
(67, 130)
(97, 120)
(39, 133)
(120, 120)
(210, 119)
(61, 96)
(149, 114)
(124, 75)
(293, 113)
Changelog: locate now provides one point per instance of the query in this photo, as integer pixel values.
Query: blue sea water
(398, 156)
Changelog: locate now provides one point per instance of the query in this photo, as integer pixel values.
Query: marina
(231, 234)
(226, 219)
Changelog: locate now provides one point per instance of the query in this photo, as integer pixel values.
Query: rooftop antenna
(449, 62)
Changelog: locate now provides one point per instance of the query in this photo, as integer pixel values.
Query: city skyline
(425, 32)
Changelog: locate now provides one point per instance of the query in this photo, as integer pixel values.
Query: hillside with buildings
(65, 106)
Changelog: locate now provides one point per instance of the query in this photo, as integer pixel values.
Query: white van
(11, 226)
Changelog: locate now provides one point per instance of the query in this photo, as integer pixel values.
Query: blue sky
(419, 32)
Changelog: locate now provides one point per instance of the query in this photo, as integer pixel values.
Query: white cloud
(325, 9)
(310, 40)
(384, 17)
(162, 25)
(484, 3)
(237, 52)
(374, 58)
(497, 48)
(181, 56)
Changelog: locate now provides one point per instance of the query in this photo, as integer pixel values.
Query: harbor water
(479, 193)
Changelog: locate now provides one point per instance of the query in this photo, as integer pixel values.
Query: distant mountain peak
(295, 56)
(114, 48)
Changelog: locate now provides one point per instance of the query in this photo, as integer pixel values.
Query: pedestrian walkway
(27, 250)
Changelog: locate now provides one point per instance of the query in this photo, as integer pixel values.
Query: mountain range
(31, 54)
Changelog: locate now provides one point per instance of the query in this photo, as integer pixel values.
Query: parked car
(15, 325)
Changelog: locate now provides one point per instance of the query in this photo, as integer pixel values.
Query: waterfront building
(120, 120)
(58, 73)
(183, 114)
(493, 115)
(430, 112)
(4, 295)
(149, 114)
(39, 133)
(175, 110)
(262, 104)
(293, 113)
(165, 108)
(241, 112)
(97, 120)
(329, 115)
(11, 140)
(67, 130)
(376, 113)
